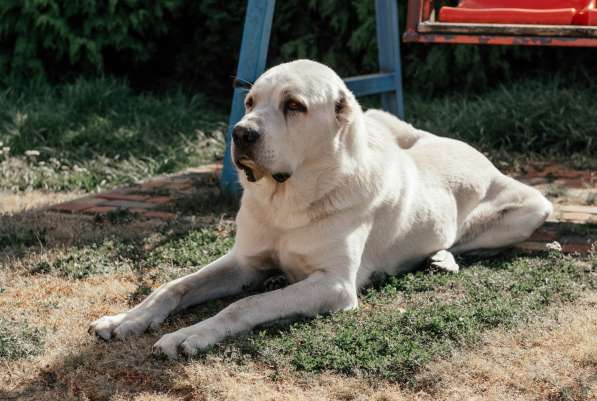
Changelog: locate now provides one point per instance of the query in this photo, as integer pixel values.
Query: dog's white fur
(367, 193)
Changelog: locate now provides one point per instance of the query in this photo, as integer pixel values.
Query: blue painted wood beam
(251, 63)
(371, 84)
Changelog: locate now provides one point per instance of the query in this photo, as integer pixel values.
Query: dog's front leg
(321, 292)
(218, 279)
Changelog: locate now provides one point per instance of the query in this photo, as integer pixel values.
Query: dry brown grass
(558, 355)
(17, 202)
(553, 359)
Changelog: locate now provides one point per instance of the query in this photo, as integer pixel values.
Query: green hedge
(195, 44)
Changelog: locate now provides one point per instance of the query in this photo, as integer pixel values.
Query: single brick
(99, 210)
(123, 196)
(580, 217)
(583, 249)
(579, 209)
(570, 182)
(116, 203)
(181, 185)
(544, 234)
(531, 246)
(159, 200)
(76, 206)
(534, 180)
(159, 215)
(155, 183)
(569, 173)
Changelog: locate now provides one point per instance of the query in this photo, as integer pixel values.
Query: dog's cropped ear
(342, 108)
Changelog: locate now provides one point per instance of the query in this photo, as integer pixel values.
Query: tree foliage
(195, 43)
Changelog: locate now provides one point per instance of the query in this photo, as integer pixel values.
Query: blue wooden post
(253, 55)
(388, 43)
(251, 63)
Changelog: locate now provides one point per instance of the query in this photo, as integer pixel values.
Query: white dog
(332, 195)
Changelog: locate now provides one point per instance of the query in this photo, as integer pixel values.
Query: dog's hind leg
(509, 214)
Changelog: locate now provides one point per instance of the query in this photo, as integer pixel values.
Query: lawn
(96, 134)
(515, 326)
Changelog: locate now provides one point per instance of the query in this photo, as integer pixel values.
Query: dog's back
(405, 134)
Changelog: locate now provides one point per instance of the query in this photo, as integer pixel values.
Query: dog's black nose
(243, 136)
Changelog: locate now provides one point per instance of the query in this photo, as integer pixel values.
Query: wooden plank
(448, 38)
(371, 84)
(575, 31)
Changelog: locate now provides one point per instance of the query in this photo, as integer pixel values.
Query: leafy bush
(39, 37)
(156, 43)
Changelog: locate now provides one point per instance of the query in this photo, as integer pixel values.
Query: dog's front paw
(185, 342)
(122, 325)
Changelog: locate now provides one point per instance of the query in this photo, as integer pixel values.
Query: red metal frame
(421, 27)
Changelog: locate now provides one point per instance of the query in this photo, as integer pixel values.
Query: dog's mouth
(252, 170)
(281, 177)
(255, 172)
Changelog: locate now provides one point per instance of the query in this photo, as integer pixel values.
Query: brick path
(153, 199)
(573, 224)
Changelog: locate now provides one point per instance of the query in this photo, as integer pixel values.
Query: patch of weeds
(78, 263)
(442, 313)
(19, 340)
(140, 293)
(576, 392)
(556, 191)
(21, 238)
(189, 251)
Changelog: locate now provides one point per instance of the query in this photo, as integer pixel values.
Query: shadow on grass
(39, 230)
(99, 370)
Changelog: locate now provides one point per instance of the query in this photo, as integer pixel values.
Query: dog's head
(294, 113)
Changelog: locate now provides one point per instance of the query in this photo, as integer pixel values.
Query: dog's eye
(293, 105)
(249, 103)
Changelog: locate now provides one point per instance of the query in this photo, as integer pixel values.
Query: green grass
(92, 134)
(195, 248)
(547, 118)
(411, 319)
(81, 262)
(19, 340)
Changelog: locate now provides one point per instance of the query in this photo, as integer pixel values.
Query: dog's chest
(295, 264)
